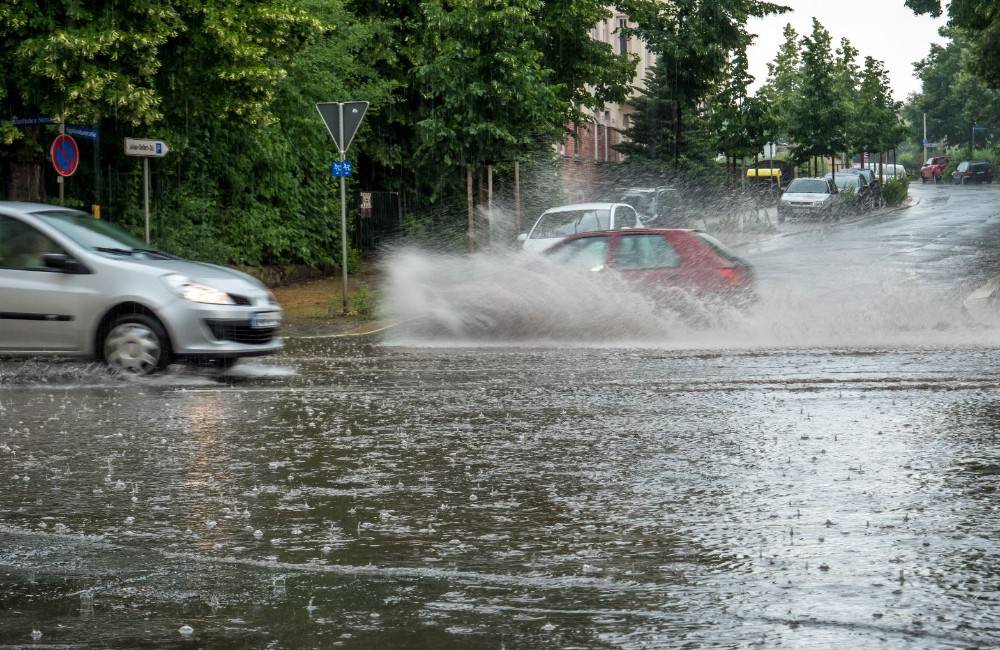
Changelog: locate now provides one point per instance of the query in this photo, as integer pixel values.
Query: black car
(973, 171)
(865, 193)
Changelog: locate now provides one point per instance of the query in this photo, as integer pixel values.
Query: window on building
(622, 37)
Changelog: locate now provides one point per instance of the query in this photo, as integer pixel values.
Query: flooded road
(822, 476)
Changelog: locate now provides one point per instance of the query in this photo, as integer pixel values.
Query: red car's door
(649, 260)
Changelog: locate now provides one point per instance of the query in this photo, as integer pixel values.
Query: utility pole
(489, 198)
(468, 197)
(925, 137)
(517, 197)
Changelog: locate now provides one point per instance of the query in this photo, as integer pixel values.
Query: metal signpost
(146, 149)
(342, 120)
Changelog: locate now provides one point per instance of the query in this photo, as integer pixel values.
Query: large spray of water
(502, 297)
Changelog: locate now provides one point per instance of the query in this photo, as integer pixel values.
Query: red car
(934, 168)
(662, 259)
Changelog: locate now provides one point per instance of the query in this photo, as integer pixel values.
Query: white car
(808, 197)
(566, 220)
(889, 171)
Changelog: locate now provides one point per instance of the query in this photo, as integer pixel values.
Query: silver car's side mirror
(522, 237)
(62, 262)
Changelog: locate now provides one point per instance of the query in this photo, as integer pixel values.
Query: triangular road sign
(353, 113)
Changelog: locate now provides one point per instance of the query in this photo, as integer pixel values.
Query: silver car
(76, 286)
(807, 197)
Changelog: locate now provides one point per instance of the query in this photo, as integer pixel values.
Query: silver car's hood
(218, 277)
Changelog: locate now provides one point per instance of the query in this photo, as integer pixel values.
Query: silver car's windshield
(569, 222)
(808, 186)
(95, 234)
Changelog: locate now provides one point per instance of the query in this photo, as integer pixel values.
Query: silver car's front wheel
(136, 346)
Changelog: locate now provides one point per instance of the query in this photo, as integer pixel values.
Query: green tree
(531, 65)
(979, 22)
(819, 112)
(490, 94)
(879, 125)
(952, 97)
(694, 39)
(90, 61)
(783, 79)
(740, 123)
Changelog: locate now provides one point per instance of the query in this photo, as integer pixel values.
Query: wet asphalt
(822, 476)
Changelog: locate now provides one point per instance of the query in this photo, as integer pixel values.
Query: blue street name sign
(341, 168)
(85, 132)
(980, 129)
(32, 121)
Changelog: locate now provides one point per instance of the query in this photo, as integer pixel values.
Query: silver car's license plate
(265, 320)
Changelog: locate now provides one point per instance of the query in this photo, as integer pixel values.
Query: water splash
(504, 298)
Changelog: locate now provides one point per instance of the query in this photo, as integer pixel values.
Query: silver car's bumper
(223, 330)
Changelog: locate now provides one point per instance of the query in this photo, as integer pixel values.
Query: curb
(345, 335)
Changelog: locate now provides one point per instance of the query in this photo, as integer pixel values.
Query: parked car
(785, 170)
(765, 184)
(660, 259)
(864, 192)
(556, 223)
(933, 169)
(890, 171)
(870, 174)
(978, 171)
(72, 285)
(808, 197)
(658, 207)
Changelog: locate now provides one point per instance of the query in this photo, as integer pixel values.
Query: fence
(377, 220)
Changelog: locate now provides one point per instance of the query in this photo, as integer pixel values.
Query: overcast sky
(884, 29)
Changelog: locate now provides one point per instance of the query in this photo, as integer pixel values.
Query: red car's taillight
(733, 276)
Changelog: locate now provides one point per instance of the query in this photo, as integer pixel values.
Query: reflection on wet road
(354, 494)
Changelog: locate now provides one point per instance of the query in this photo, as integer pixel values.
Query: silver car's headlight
(196, 292)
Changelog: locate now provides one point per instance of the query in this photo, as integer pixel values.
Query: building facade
(588, 148)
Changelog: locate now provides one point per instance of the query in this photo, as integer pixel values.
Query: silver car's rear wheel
(135, 346)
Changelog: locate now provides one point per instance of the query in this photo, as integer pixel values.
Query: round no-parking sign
(65, 155)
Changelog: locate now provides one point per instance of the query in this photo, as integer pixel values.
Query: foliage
(694, 40)
(824, 103)
(365, 302)
(979, 22)
(819, 114)
(895, 191)
(952, 97)
(741, 124)
(486, 80)
(89, 61)
(877, 125)
(782, 86)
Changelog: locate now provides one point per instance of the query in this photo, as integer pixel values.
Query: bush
(847, 201)
(365, 302)
(894, 192)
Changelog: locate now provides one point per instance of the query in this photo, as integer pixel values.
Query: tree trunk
(677, 136)
(468, 190)
(25, 182)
